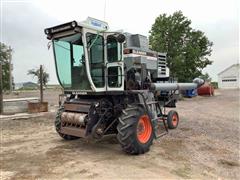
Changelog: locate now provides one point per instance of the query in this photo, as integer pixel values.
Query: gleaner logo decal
(75, 92)
(139, 52)
(136, 53)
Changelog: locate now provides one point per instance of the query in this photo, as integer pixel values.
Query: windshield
(70, 62)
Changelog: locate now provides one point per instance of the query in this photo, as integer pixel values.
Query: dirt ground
(205, 146)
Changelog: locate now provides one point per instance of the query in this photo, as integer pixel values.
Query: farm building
(229, 78)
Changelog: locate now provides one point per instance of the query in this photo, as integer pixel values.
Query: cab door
(96, 59)
(114, 64)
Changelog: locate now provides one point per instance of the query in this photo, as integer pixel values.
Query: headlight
(74, 24)
(47, 31)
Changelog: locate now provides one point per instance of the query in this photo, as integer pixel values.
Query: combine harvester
(113, 84)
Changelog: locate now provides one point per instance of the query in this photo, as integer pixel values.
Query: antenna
(104, 16)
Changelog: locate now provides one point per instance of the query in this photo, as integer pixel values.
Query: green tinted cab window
(114, 76)
(96, 59)
(112, 49)
(63, 62)
(70, 63)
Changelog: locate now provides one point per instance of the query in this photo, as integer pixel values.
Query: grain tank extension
(113, 84)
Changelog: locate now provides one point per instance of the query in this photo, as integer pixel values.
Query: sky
(23, 22)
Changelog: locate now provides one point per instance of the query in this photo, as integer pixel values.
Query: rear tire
(58, 127)
(135, 131)
(172, 119)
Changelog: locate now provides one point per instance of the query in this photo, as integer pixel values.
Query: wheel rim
(144, 129)
(174, 120)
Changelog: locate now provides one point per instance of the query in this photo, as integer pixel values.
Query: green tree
(188, 50)
(5, 55)
(36, 73)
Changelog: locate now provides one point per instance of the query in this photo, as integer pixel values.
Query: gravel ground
(205, 146)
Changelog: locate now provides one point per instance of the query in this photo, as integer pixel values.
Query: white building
(230, 77)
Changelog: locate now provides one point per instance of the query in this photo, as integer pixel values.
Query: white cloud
(218, 19)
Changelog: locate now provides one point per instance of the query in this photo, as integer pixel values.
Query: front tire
(172, 119)
(135, 131)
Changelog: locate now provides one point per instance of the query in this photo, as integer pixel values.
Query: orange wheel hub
(174, 120)
(144, 129)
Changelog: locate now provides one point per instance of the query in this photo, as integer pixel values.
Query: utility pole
(10, 73)
(41, 84)
(1, 90)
